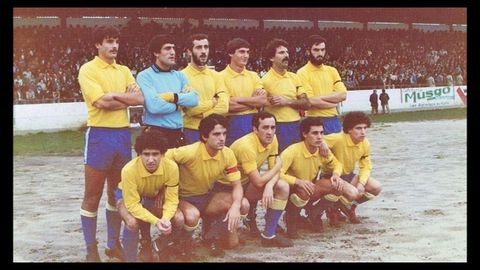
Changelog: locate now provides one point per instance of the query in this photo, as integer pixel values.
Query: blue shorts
(287, 133)
(199, 201)
(346, 177)
(146, 202)
(331, 125)
(240, 125)
(107, 148)
(191, 135)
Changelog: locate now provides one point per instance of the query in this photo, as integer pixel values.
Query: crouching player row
(321, 172)
(148, 193)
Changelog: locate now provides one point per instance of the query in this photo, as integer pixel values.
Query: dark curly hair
(260, 116)
(149, 140)
(105, 31)
(208, 123)
(235, 44)
(307, 123)
(352, 119)
(157, 42)
(272, 46)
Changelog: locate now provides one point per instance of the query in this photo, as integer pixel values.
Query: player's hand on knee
(131, 223)
(233, 218)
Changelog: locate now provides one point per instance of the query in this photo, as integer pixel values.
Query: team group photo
(239, 135)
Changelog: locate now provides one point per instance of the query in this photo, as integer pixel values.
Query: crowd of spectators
(47, 59)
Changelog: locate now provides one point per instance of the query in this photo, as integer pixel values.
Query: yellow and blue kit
(97, 78)
(241, 84)
(107, 139)
(349, 154)
(289, 86)
(137, 182)
(208, 83)
(321, 81)
(298, 162)
(199, 171)
(251, 154)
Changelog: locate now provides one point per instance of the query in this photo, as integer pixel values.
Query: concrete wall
(430, 27)
(51, 117)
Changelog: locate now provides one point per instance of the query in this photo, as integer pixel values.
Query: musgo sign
(428, 96)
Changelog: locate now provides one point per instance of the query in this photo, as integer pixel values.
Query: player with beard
(323, 85)
(213, 97)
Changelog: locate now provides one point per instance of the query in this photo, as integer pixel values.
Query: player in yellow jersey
(201, 164)
(352, 148)
(252, 150)
(301, 167)
(286, 94)
(245, 89)
(108, 89)
(213, 97)
(323, 85)
(148, 193)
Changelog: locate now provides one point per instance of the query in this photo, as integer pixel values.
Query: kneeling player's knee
(191, 216)
(376, 190)
(302, 194)
(352, 194)
(282, 188)
(178, 219)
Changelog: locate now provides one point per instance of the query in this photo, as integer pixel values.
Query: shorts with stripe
(107, 148)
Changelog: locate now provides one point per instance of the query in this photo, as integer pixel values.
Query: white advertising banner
(429, 97)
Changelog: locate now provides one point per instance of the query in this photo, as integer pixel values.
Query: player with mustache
(286, 96)
(108, 89)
